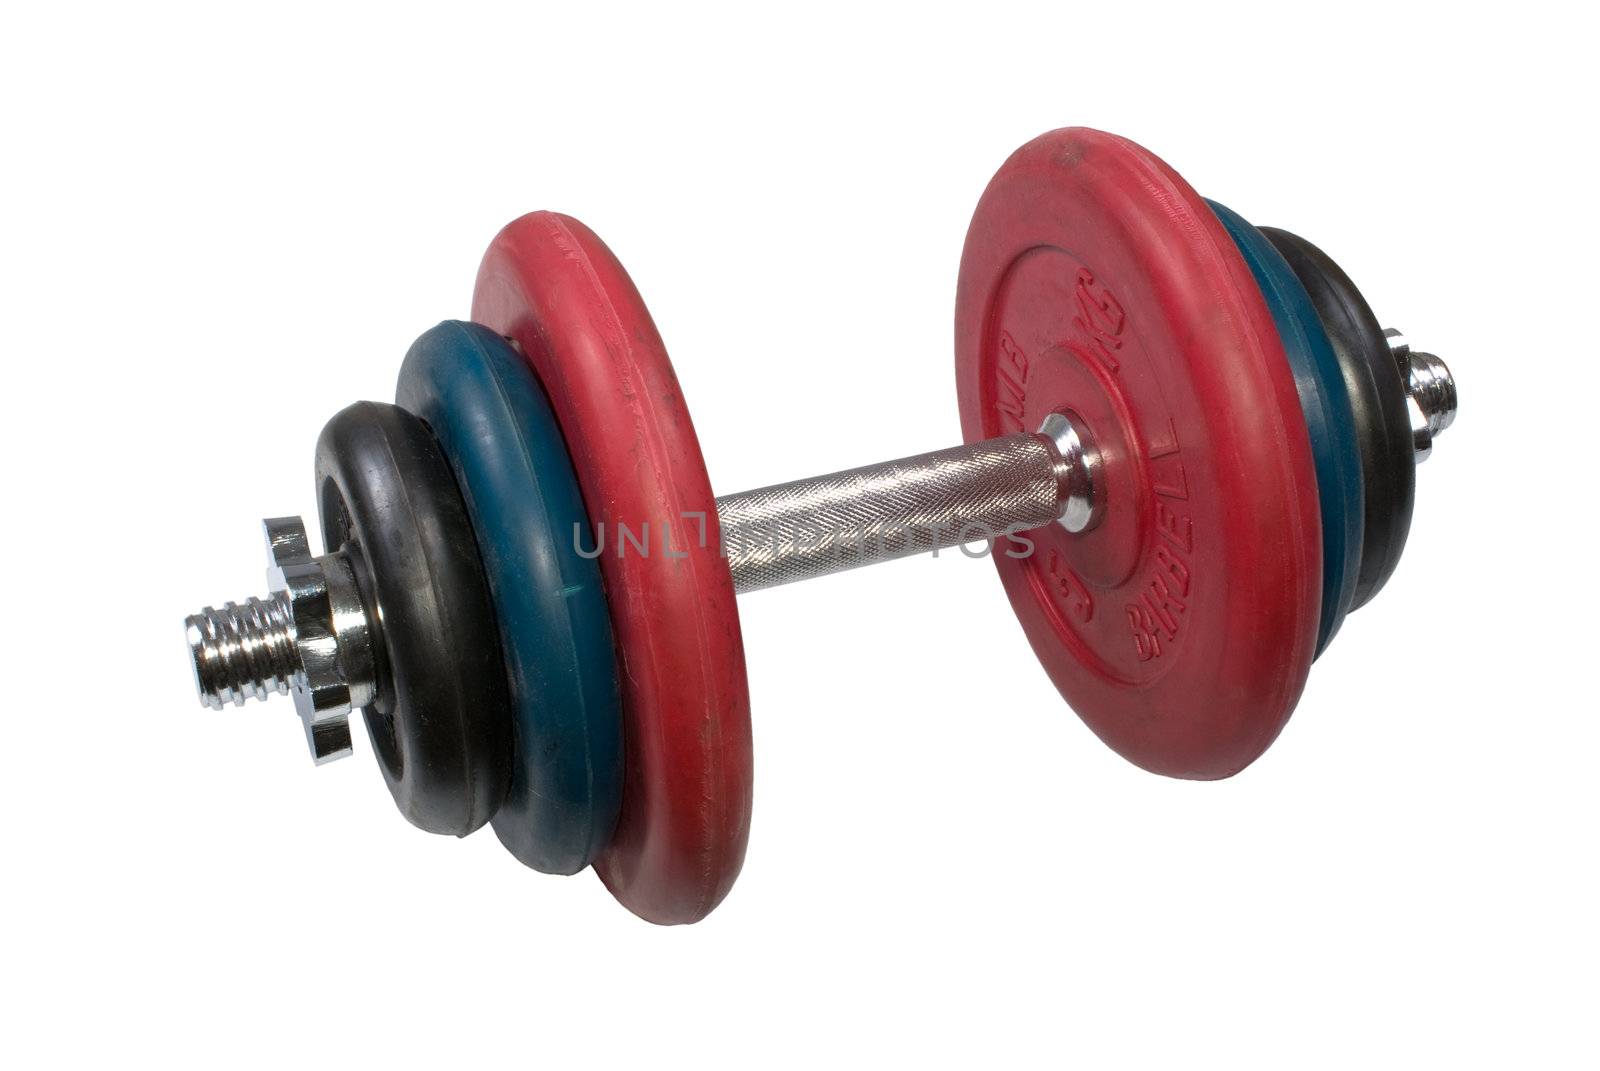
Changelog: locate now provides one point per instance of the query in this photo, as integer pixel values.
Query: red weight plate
(555, 288)
(1095, 280)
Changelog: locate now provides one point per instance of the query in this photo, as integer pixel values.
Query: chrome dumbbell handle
(965, 494)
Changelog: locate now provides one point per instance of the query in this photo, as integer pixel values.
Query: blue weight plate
(496, 428)
(1328, 415)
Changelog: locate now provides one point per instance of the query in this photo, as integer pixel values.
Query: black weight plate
(441, 723)
(1378, 404)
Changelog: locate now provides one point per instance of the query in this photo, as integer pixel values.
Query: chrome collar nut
(331, 635)
(310, 638)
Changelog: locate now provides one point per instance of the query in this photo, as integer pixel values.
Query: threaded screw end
(1429, 381)
(243, 651)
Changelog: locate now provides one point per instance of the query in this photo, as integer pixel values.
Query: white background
(221, 226)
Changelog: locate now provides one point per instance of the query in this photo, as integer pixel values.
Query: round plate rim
(1078, 188)
(551, 284)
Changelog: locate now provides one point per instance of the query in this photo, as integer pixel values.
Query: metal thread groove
(1429, 381)
(242, 652)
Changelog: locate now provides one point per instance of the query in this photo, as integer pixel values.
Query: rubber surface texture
(1378, 406)
(441, 722)
(1326, 405)
(550, 283)
(1095, 280)
(497, 430)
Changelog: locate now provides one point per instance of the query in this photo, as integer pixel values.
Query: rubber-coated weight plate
(1095, 280)
(1326, 405)
(497, 430)
(555, 288)
(441, 724)
(1378, 405)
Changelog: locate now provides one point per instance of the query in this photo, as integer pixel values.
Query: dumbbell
(1190, 452)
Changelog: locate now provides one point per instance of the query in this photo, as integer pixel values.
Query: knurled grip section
(827, 524)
